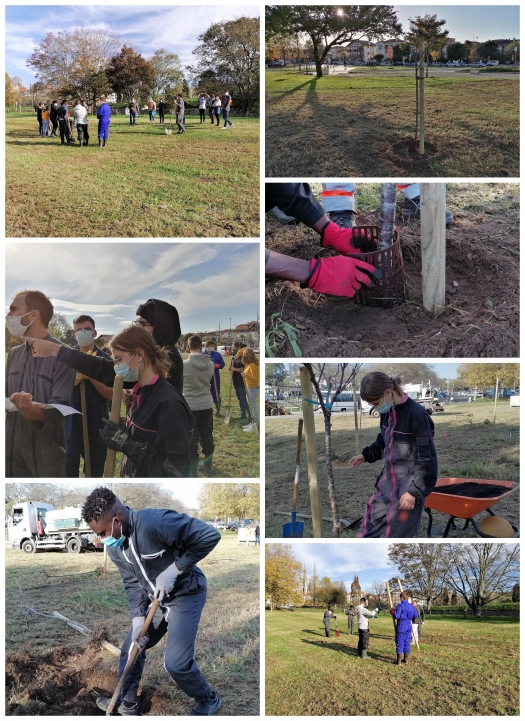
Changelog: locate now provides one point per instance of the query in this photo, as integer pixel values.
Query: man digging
(156, 552)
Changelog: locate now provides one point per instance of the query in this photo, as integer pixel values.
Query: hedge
(509, 606)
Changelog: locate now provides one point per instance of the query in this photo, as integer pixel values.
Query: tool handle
(299, 441)
(111, 455)
(132, 657)
(85, 434)
(297, 467)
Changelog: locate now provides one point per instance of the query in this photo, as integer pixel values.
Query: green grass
(143, 184)
(351, 126)
(464, 668)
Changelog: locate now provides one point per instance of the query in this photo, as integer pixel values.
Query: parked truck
(424, 395)
(34, 526)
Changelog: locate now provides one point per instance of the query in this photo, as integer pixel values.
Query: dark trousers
(350, 629)
(180, 620)
(64, 131)
(202, 114)
(295, 199)
(161, 116)
(203, 434)
(86, 137)
(132, 117)
(364, 639)
(240, 392)
(218, 116)
(54, 123)
(327, 630)
(75, 449)
(211, 114)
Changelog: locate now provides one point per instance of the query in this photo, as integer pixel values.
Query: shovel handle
(297, 465)
(85, 433)
(116, 402)
(132, 657)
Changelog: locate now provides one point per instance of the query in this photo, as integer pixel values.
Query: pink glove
(216, 365)
(340, 275)
(340, 239)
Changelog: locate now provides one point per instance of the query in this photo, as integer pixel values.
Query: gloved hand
(216, 365)
(392, 611)
(341, 275)
(165, 581)
(340, 239)
(138, 623)
(116, 438)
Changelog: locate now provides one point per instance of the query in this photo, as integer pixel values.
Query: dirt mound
(472, 490)
(59, 684)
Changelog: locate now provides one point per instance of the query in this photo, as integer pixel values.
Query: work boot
(343, 218)
(411, 210)
(126, 708)
(100, 142)
(206, 466)
(281, 217)
(207, 707)
(405, 660)
(364, 654)
(398, 662)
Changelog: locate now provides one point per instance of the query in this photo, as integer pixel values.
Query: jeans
(151, 116)
(243, 401)
(218, 116)
(180, 620)
(45, 127)
(225, 114)
(254, 401)
(132, 117)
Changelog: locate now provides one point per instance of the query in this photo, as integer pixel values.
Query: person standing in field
(63, 122)
(45, 121)
(217, 109)
(215, 382)
(38, 110)
(179, 113)
(81, 121)
(198, 372)
(211, 109)
(162, 109)
(152, 106)
(226, 105)
(351, 615)
(327, 617)
(133, 111)
(53, 117)
(363, 628)
(405, 613)
(202, 97)
(104, 121)
(251, 376)
(236, 368)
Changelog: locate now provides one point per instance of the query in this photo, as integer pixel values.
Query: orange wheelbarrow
(464, 507)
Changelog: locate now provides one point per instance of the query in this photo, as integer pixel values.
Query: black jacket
(96, 367)
(166, 331)
(157, 539)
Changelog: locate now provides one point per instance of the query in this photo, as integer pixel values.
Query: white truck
(423, 395)
(34, 526)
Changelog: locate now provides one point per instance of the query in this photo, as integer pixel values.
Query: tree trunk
(318, 67)
(336, 526)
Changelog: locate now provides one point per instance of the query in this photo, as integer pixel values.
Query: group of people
(169, 401)
(409, 617)
(214, 103)
(55, 119)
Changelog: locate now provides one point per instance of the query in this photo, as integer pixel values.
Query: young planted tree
(336, 379)
(429, 30)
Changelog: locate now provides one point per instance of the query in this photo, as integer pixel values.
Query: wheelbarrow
(464, 507)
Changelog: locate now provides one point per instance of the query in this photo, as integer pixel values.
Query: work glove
(216, 365)
(340, 275)
(117, 438)
(392, 611)
(165, 581)
(138, 623)
(340, 239)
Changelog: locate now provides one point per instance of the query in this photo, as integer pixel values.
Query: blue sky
(342, 561)
(146, 28)
(469, 22)
(208, 283)
(445, 370)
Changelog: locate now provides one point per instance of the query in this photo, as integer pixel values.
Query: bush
(509, 606)
(500, 69)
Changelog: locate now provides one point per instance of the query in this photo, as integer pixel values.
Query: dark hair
(83, 319)
(405, 595)
(98, 504)
(36, 300)
(134, 338)
(64, 101)
(195, 342)
(374, 385)
(363, 599)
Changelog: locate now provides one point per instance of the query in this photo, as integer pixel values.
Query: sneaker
(224, 127)
(343, 218)
(249, 429)
(231, 125)
(206, 708)
(104, 701)
(411, 210)
(281, 217)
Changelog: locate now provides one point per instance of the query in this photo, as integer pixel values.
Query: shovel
(294, 528)
(85, 435)
(218, 411)
(168, 129)
(229, 411)
(116, 402)
(131, 658)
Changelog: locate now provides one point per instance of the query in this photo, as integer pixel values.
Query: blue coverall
(404, 613)
(104, 115)
(218, 360)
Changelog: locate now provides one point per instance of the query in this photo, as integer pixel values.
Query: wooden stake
(496, 399)
(422, 98)
(391, 604)
(355, 417)
(433, 252)
(413, 635)
(116, 402)
(311, 452)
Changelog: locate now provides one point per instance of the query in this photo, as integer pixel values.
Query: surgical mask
(15, 327)
(84, 337)
(385, 407)
(210, 350)
(123, 370)
(111, 542)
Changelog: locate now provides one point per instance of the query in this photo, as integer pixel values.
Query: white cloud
(337, 560)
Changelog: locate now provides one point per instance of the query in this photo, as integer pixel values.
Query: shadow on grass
(340, 648)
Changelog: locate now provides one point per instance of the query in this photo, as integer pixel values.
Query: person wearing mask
(404, 613)
(363, 628)
(327, 617)
(162, 110)
(217, 109)
(133, 111)
(104, 121)
(53, 117)
(215, 382)
(226, 106)
(406, 443)
(155, 438)
(202, 97)
(236, 369)
(35, 434)
(162, 320)
(198, 372)
(38, 109)
(97, 397)
(170, 574)
(179, 113)
(63, 124)
(81, 122)
(152, 107)
(211, 109)
(251, 376)
(45, 120)
(351, 615)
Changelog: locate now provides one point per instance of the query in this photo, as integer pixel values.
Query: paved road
(398, 71)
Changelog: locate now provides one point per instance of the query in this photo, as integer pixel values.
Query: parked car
(478, 64)
(232, 526)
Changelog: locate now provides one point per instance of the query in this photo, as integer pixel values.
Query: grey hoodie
(197, 373)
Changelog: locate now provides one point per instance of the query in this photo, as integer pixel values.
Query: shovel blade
(227, 417)
(293, 529)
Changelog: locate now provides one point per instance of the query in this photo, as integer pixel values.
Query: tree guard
(433, 252)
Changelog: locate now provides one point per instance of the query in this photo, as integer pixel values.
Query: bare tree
(424, 567)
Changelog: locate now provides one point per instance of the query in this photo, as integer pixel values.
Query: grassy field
(468, 445)
(338, 126)
(144, 184)
(464, 668)
(53, 670)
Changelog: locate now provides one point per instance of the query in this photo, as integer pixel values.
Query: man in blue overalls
(156, 552)
(97, 397)
(404, 614)
(104, 121)
(215, 383)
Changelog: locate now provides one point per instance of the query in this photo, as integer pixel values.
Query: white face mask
(15, 327)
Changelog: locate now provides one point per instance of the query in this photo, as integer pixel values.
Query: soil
(472, 490)
(481, 318)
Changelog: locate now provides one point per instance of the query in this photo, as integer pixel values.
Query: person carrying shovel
(404, 614)
(327, 617)
(156, 552)
(215, 383)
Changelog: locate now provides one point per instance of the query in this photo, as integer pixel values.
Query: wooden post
(355, 417)
(387, 213)
(433, 254)
(391, 604)
(311, 452)
(422, 98)
(412, 635)
(496, 399)
(116, 402)
(85, 434)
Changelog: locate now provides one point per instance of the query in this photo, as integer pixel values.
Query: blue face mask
(128, 375)
(111, 542)
(84, 337)
(385, 407)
